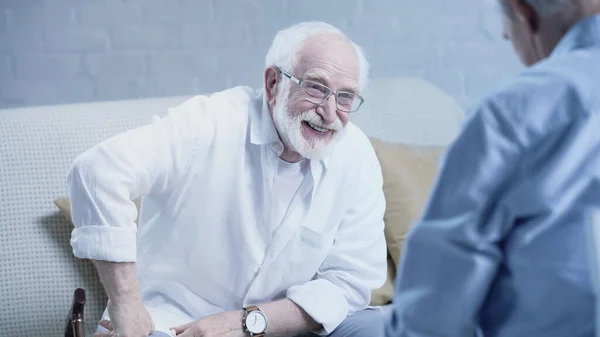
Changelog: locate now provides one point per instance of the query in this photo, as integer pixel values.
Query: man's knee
(368, 323)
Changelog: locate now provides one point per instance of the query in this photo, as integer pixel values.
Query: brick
(101, 14)
(236, 11)
(6, 71)
(268, 17)
(202, 86)
(173, 84)
(38, 92)
(447, 28)
(456, 8)
(3, 21)
(47, 66)
(23, 28)
(122, 87)
(175, 12)
(146, 37)
(380, 33)
(247, 70)
(76, 40)
(115, 64)
(59, 14)
(451, 82)
(25, 16)
(390, 60)
(478, 84)
(24, 42)
(19, 3)
(465, 102)
(369, 8)
(75, 90)
(479, 57)
(491, 23)
(8, 94)
(39, 17)
(183, 63)
(217, 34)
(405, 31)
(336, 12)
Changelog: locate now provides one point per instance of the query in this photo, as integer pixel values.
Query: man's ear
(272, 78)
(525, 14)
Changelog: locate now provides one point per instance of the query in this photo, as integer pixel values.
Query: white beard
(290, 129)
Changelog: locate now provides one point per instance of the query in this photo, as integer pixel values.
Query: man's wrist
(254, 321)
(120, 281)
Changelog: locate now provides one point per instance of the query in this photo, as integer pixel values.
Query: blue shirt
(501, 246)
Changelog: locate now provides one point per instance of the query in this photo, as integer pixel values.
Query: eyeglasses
(318, 93)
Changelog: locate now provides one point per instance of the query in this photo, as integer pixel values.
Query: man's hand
(227, 324)
(127, 320)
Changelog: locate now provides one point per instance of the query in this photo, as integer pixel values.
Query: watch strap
(251, 308)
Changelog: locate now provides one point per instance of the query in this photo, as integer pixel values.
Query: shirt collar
(584, 34)
(263, 131)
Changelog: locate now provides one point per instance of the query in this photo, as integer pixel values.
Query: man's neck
(290, 156)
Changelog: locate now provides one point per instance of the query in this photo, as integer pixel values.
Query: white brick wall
(60, 51)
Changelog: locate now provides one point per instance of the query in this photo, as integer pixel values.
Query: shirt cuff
(323, 301)
(114, 244)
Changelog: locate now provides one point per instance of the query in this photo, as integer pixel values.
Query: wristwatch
(254, 321)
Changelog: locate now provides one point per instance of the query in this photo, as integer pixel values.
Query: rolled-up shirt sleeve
(103, 181)
(356, 264)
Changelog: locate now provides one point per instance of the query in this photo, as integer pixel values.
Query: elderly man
(262, 210)
(501, 246)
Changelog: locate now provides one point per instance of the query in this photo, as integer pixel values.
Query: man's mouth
(317, 128)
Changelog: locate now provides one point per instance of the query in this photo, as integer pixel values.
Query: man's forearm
(120, 281)
(287, 318)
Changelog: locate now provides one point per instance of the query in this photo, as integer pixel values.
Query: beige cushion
(383, 295)
(64, 204)
(408, 175)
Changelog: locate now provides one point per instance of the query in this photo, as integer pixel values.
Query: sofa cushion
(384, 295)
(408, 175)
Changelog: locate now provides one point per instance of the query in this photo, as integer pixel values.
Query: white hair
(286, 46)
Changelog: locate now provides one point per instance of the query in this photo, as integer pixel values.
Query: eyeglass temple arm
(288, 75)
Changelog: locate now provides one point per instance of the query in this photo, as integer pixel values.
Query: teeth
(317, 128)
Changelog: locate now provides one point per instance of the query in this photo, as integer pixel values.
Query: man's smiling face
(306, 128)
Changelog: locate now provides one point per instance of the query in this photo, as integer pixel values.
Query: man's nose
(328, 110)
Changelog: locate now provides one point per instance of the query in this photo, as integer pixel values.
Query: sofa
(409, 120)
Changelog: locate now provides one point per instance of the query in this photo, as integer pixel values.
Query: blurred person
(262, 209)
(500, 249)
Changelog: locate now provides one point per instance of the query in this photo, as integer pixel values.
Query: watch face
(256, 322)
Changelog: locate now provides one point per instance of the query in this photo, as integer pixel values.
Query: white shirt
(205, 242)
(287, 182)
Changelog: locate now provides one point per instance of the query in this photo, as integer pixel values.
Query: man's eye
(317, 87)
(346, 95)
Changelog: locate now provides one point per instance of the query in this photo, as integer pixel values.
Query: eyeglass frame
(331, 91)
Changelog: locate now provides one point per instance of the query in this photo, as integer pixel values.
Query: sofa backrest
(38, 272)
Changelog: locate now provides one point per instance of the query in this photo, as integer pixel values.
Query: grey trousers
(366, 323)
